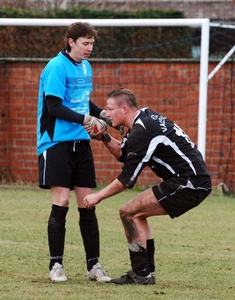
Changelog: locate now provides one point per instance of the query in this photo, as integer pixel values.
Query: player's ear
(125, 108)
(71, 42)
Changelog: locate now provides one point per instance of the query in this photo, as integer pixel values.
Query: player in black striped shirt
(151, 140)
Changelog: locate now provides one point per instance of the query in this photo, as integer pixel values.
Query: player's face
(115, 113)
(81, 48)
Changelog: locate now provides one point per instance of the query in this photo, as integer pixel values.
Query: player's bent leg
(144, 205)
(134, 216)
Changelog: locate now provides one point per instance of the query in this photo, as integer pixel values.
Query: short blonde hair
(123, 96)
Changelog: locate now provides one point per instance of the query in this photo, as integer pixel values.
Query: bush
(113, 42)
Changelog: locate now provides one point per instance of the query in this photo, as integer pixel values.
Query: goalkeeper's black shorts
(67, 164)
(178, 195)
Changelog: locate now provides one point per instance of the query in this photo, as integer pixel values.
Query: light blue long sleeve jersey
(72, 82)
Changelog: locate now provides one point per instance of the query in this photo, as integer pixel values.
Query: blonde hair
(123, 96)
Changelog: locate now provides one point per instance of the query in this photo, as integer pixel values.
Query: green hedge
(112, 42)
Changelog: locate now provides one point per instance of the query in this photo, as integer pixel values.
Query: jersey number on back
(180, 132)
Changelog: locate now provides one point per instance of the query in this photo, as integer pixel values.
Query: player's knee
(125, 213)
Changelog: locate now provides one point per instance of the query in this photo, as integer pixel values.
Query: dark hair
(123, 95)
(79, 29)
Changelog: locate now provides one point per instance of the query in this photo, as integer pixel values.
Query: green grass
(195, 254)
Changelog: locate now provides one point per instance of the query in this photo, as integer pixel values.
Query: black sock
(151, 250)
(56, 234)
(90, 234)
(139, 262)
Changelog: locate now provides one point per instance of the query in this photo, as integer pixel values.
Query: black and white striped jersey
(160, 144)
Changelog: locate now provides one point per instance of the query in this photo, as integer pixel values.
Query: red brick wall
(168, 87)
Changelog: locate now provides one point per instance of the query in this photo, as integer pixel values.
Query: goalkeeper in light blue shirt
(65, 160)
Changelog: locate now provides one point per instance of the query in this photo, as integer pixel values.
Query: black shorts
(67, 164)
(178, 195)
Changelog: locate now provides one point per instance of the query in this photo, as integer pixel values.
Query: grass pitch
(195, 254)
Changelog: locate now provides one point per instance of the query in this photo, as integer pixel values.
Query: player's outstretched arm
(113, 188)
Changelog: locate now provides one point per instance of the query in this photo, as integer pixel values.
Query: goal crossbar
(204, 57)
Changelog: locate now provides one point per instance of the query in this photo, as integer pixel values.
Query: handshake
(97, 128)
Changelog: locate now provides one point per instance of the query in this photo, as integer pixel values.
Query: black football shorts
(178, 195)
(67, 164)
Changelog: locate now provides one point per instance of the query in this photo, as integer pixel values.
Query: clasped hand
(91, 200)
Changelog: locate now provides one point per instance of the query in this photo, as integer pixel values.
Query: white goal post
(204, 53)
